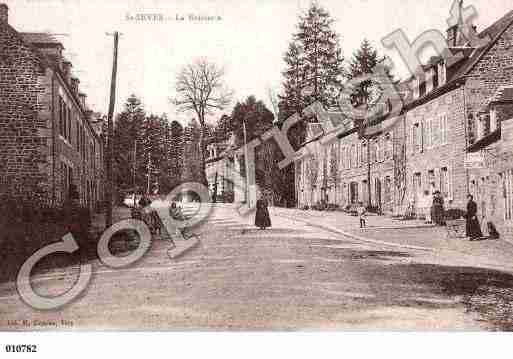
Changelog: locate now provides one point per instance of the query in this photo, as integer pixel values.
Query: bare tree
(200, 88)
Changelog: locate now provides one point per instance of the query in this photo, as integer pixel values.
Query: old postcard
(255, 165)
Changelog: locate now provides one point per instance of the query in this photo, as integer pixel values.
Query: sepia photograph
(251, 166)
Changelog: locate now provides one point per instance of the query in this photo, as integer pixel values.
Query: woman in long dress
(438, 209)
(473, 227)
(262, 219)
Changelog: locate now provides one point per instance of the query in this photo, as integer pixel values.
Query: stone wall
(448, 154)
(24, 125)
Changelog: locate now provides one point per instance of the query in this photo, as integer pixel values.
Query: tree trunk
(214, 196)
(369, 194)
(203, 148)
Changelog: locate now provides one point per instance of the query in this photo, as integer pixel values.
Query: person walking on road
(262, 219)
(473, 229)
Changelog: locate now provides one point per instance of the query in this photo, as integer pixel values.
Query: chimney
(82, 97)
(74, 85)
(452, 36)
(66, 69)
(4, 13)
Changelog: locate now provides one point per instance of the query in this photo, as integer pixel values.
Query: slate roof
(40, 38)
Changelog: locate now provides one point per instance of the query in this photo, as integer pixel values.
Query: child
(361, 210)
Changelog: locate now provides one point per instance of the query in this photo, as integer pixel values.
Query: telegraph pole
(110, 147)
(246, 164)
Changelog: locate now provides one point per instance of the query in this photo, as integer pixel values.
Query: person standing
(473, 230)
(362, 213)
(262, 219)
(438, 209)
(426, 206)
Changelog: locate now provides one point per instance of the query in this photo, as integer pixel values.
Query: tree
(334, 171)
(314, 68)
(323, 58)
(255, 115)
(127, 138)
(312, 171)
(314, 72)
(200, 88)
(366, 93)
(191, 160)
(364, 62)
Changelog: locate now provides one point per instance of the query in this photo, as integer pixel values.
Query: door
(378, 193)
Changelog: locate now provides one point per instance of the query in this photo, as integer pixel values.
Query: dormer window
(429, 80)
(434, 72)
(483, 126)
(422, 88)
(416, 86)
(442, 73)
(494, 124)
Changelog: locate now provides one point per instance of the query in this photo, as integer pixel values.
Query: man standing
(473, 228)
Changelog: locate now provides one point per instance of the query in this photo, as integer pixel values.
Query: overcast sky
(249, 40)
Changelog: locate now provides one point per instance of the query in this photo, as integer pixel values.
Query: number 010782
(21, 348)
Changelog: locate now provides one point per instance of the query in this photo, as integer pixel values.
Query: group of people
(432, 207)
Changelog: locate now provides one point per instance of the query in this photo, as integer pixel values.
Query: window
(435, 76)
(417, 183)
(428, 140)
(417, 137)
(364, 152)
(416, 85)
(354, 163)
(445, 186)
(422, 88)
(388, 189)
(379, 150)
(359, 154)
(444, 132)
(62, 119)
(365, 190)
(507, 194)
(431, 181)
(441, 73)
(483, 126)
(494, 125)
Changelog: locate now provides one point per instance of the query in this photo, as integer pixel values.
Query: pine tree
(314, 64)
(127, 137)
(322, 55)
(364, 62)
(314, 72)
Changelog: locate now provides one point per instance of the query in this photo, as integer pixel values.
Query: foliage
(200, 89)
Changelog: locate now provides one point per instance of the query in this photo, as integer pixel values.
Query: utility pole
(149, 174)
(246, 163)
(110, 147)
(134, 171)
(369, 185)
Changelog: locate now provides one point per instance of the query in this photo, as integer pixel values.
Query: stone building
(223, 170)
(489, 162)
(443, 110)
(336, 171)
(48, 145)
(426, 145)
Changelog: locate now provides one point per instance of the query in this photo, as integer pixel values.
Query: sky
(248, 38)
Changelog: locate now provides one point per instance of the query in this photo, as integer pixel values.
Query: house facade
(48, 145)
(454, 106)
(223, 170)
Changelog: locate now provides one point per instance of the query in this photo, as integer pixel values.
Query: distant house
(224, 172)
(48, 142)
(455, 109)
